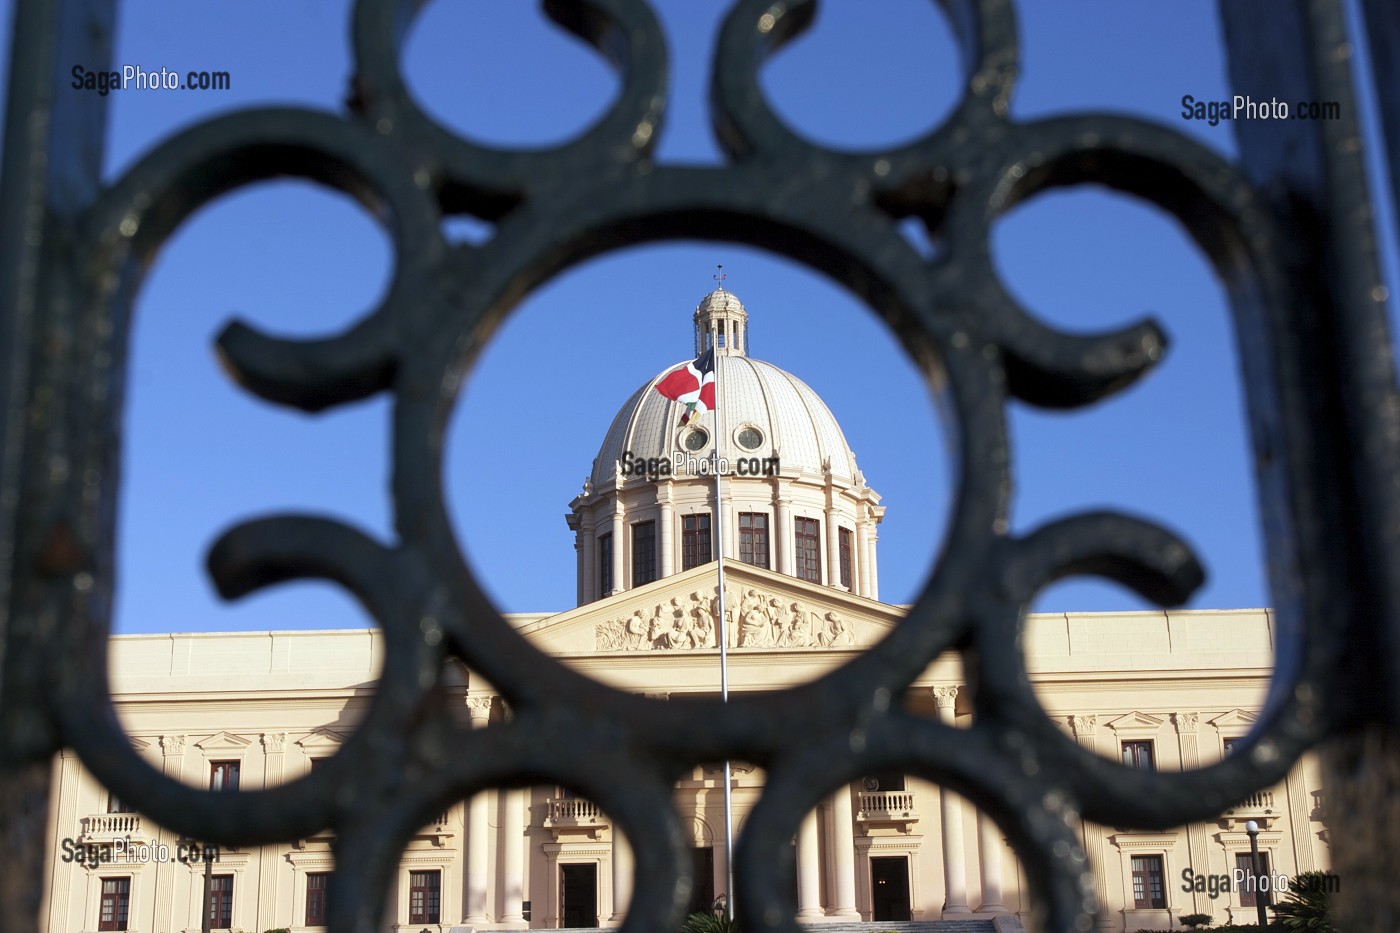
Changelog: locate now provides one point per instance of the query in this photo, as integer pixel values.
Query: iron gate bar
(1288, 229)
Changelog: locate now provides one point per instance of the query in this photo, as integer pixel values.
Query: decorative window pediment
(1236, 721)
(322, 740)
(1144, 839)
(224, 742)
(1136, 725)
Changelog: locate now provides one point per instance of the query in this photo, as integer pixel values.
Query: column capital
(274, 743)
(172, 745)
(479, 708)
(1084, 725)
(945, 697)
(1186, 722)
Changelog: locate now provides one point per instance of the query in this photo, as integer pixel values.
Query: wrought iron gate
(1288, 229)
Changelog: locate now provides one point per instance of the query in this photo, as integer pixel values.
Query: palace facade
(1165, 690)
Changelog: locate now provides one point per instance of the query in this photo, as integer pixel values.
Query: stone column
(872, 563)
(1299, 814)
(989, 860)
(782, 536)
(621, 875)
(833, 548)
(843, 855)
(478, 867)
(1187, 726)
(172, 749)
(579, 597)
(809, 869)
(863, 557)
(666, 521)
(731, 530)
(619, 547)
(590, 558)
(513, 871)
(1086, 734)
(950, 814)
(69, 776)
(274, 746)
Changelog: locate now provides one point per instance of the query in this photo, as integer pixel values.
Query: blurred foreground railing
(1288, 229)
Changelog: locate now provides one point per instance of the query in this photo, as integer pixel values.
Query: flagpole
(723, 636)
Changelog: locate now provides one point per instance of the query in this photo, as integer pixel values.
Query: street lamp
(1252, 828)
(208, 895)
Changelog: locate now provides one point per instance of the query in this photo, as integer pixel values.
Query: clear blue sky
(297, 260)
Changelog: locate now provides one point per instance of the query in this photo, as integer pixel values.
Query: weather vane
(720, 275)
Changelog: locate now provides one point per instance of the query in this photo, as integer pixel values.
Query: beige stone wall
(273, 702)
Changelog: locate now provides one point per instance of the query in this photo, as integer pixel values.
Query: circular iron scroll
(835, 212)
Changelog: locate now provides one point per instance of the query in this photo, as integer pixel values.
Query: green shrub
(705, 921)
(1306, 907)
(1195, 921)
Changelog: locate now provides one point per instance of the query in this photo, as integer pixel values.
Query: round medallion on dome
(695, 439)
(749, 437)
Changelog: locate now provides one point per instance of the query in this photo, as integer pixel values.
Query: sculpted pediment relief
(761, 619)
(763, 610)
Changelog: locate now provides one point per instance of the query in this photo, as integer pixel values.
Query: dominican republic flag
(692, 384)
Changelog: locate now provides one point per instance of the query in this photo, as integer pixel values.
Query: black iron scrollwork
(836, 212)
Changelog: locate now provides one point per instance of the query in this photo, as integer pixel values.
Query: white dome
(809, 512)
(791, 421)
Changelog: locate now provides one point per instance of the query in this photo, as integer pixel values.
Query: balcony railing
(886, 806)
(106, 827)
(566, 812)
(1255, 805)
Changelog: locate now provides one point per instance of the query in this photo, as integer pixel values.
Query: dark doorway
(578, 895)
(889, 888)
(702, 896)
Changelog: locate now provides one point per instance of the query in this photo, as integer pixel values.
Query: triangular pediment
(765, 611)
(322, 739)
(224, 742)
(1236, 720)
(1136, 724)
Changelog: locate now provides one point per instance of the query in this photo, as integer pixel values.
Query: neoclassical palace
(1165, 690)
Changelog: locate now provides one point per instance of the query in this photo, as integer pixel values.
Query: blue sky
(297, 260)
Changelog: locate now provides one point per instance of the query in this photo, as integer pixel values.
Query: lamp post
(208, 895)
(1252, 828)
